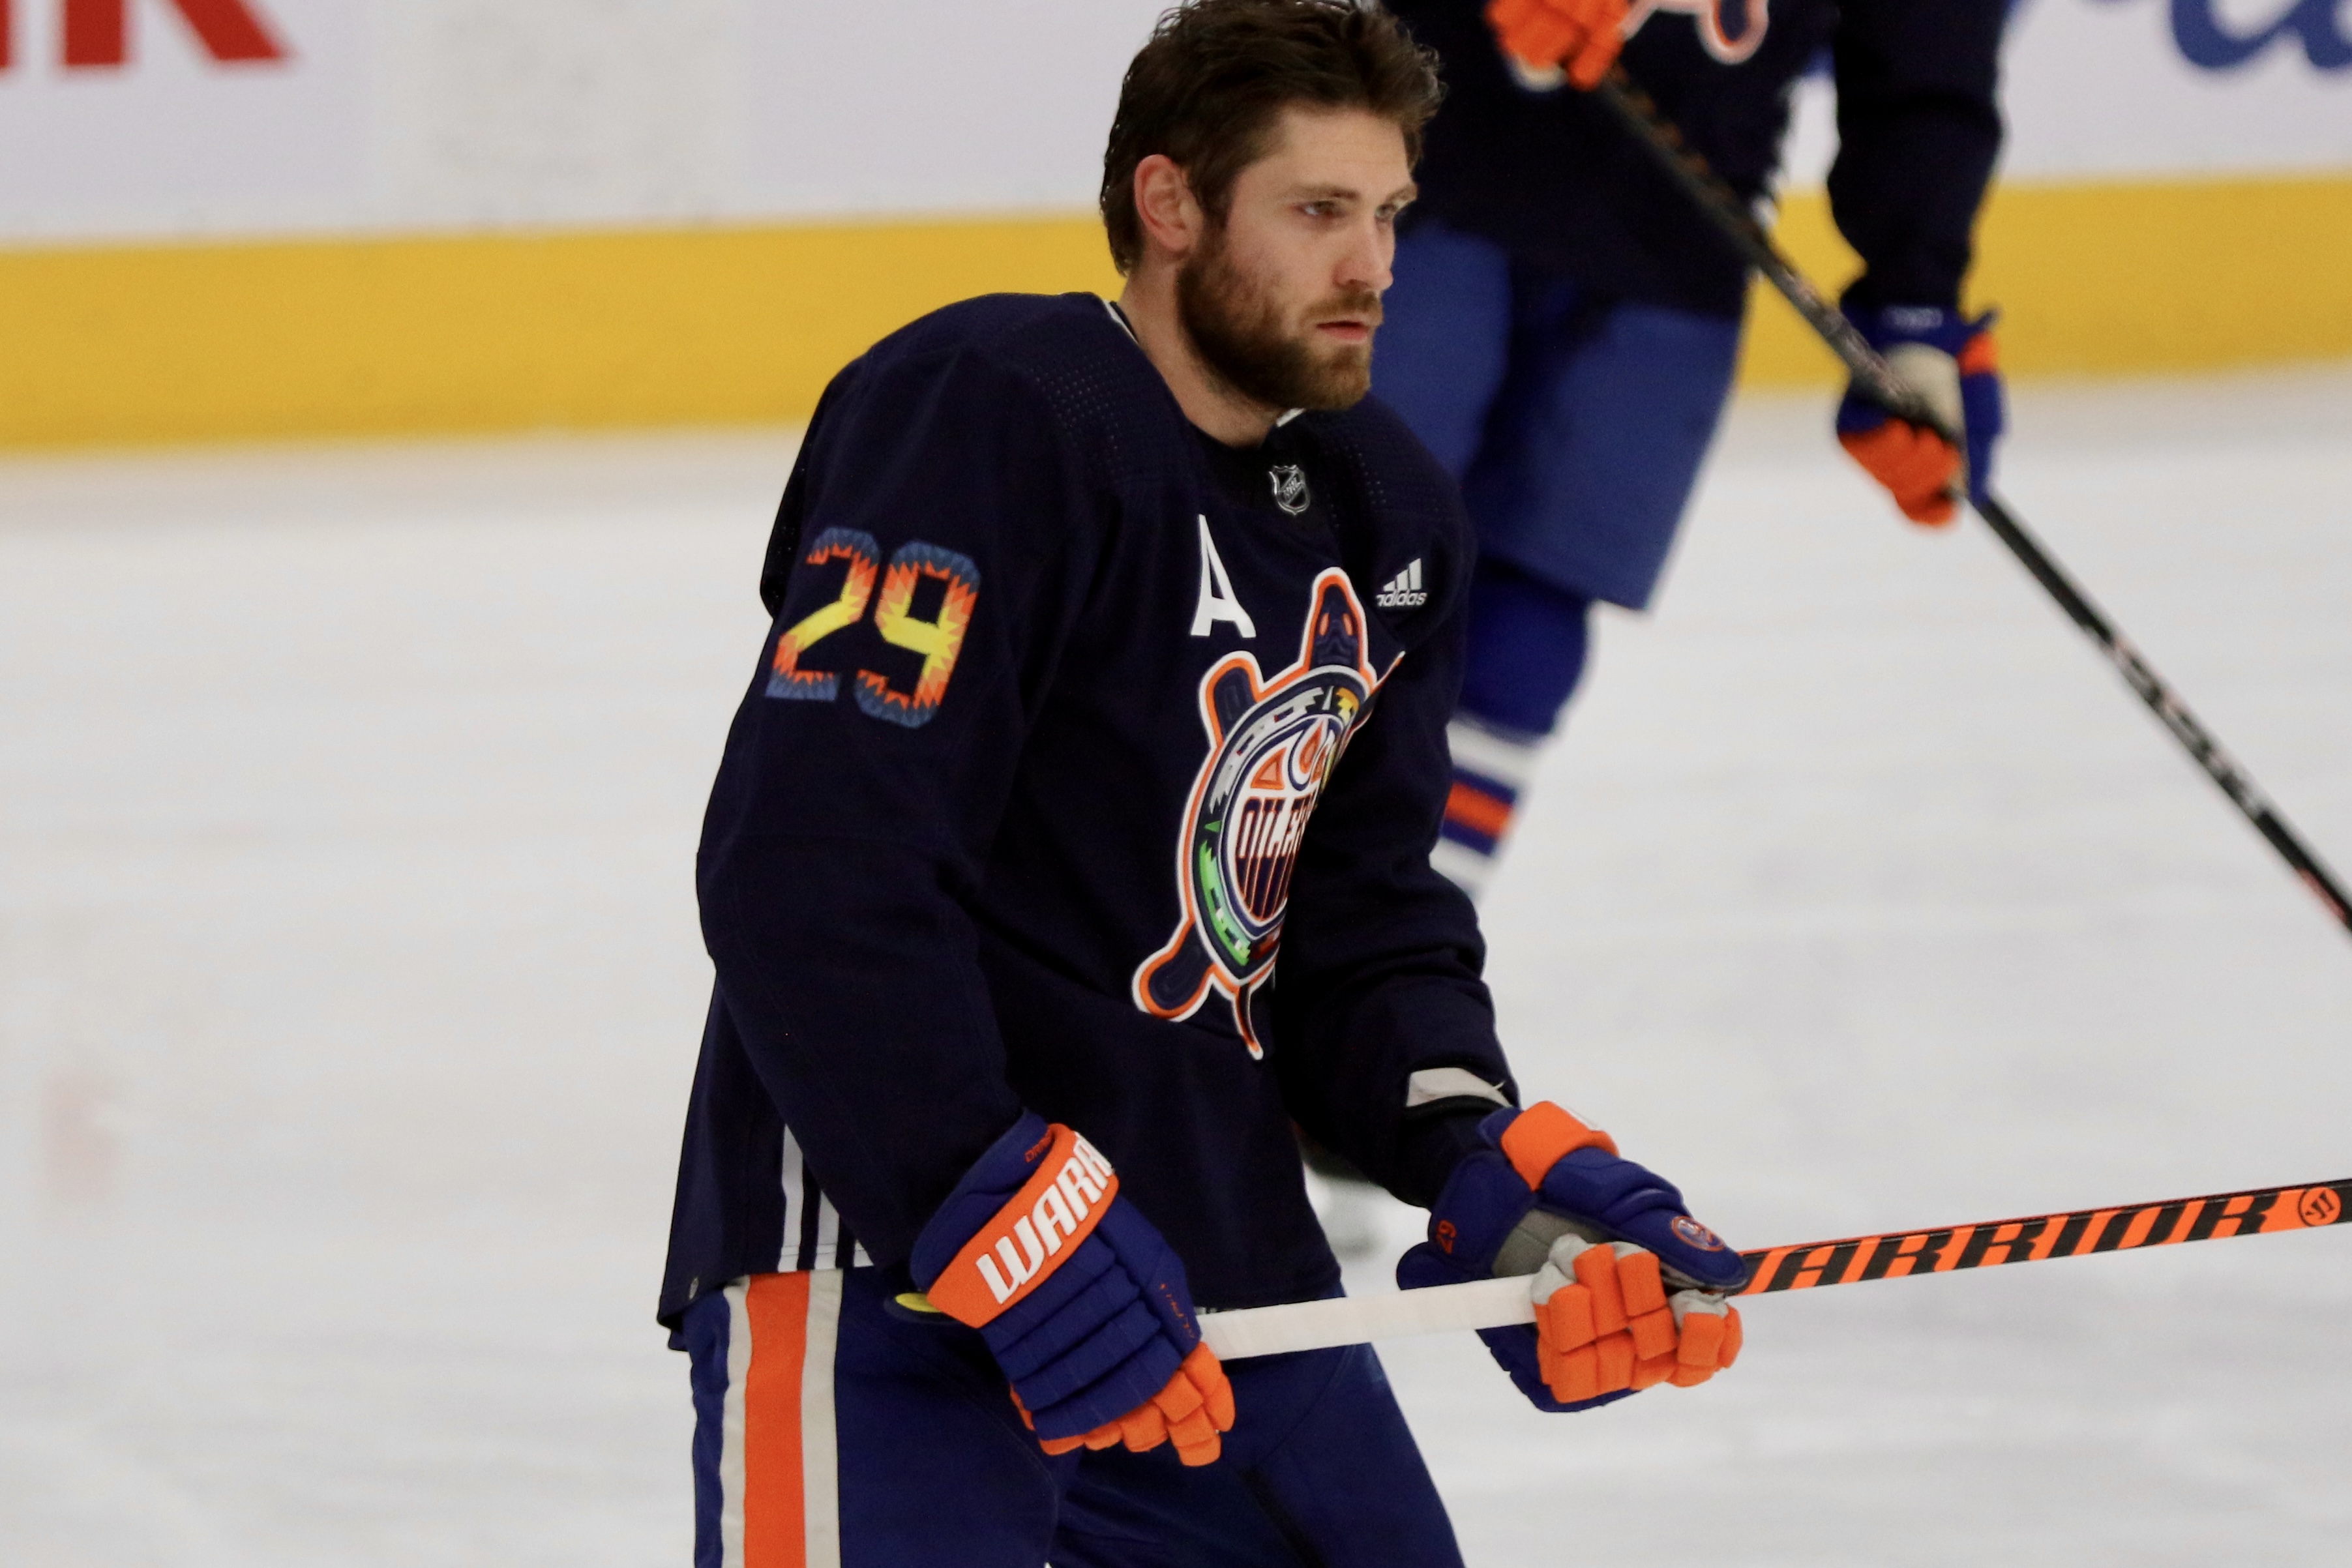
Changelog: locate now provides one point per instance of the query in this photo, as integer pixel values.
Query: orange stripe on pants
(775, 1515)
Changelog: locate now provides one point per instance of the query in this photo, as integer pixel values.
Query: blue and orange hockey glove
(1544, 41)
(1948, 361)
(1083, 1305)
(1629, 1288)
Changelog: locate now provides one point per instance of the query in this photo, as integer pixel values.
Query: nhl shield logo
(1271, 745)
(1289, 482)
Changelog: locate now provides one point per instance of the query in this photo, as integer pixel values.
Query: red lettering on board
(98, 32)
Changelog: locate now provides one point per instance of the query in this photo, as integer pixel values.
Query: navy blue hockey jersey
(1553, 178)
(1072, 720)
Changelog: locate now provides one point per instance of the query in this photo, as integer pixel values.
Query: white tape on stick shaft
(1358, 1320)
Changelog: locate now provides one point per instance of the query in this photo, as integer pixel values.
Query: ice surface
(349, 985)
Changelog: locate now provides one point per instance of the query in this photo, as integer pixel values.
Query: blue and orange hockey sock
(1491, 767)
(1527, 653)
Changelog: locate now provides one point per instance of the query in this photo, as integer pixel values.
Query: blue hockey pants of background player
(1576, 426)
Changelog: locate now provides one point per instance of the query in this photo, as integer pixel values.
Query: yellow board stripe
(741, 325)
(712, 326)
(2120, 280)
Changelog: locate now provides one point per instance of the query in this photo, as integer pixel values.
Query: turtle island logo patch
(1272, 742)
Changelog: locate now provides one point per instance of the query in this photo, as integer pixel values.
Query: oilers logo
(1691, 1233)
(1271, 745)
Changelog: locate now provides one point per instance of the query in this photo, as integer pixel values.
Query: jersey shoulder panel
(1399, 479)
(1106, 400)
(995, 322)
(933, 392)
(1401, 513)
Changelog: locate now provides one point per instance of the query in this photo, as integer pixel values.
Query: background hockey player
(1565, 323)
(1083, 700)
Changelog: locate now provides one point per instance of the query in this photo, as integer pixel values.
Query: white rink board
(400, 115)
(2106, 90)
(350, 987)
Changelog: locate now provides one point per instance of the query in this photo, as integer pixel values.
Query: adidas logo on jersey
(1402, 591)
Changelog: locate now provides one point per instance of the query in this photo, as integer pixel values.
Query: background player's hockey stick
(1721, 204)
(1498, 1303)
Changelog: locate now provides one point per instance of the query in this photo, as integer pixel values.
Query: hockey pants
(835, 1428)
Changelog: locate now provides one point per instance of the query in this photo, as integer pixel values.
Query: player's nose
(1365, 264)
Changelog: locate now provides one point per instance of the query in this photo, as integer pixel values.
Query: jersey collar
(1128, 327)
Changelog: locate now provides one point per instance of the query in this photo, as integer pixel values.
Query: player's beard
(1237, 328)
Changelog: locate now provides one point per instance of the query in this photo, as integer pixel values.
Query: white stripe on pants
(768, 1518)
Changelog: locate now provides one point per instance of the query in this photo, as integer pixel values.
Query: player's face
(1282, 298)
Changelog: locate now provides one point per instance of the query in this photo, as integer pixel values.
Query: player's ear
(1164, 202)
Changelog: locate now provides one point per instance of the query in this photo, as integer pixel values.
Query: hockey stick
(1641, 116)
(1894, 1255)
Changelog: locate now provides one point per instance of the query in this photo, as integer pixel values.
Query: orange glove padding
(1919, 467)
(1582, 36)
(1615, 1328)
(1196, 1405)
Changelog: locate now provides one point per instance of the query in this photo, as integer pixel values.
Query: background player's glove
(1628, 1287)
(1546, 42)
(1948, 361)
(1081, 1302)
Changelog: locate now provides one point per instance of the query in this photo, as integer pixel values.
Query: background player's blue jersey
(1016, 812)
(1556, 180)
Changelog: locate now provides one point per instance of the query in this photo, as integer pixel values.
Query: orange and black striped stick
(1897, 1254)
(2075, 1234)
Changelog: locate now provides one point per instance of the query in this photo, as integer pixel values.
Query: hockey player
(1565, 323)
(1082, 700)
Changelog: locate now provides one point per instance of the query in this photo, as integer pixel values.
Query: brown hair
(1208, 88)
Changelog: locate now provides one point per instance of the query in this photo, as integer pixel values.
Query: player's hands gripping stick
(1606, 1324)
(1083, 1304)
(1546, 41)
(1628, 1288)
(1949, 362)
(1190, 1412)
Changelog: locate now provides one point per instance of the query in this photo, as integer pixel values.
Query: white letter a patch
(1218, 601)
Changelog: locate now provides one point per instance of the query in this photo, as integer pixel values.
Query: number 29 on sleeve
(938, 638)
